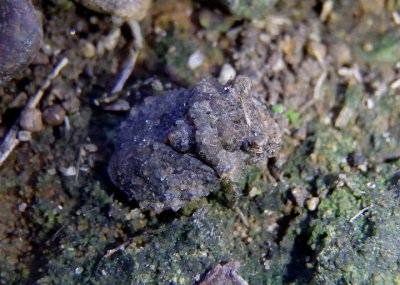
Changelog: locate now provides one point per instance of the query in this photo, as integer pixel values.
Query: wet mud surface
(324, 209)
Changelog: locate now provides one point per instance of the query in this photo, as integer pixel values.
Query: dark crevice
(298, 270)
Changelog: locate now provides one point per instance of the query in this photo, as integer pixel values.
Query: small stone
(342, 54)
(312, 203)
(31, 120)
(300, 133)
(22, 207)
(51, 171)
(90, 147)
(227, 73)
(157, 85)
(88, 49)
(356, 159)
(78, 270)
(265, 38)
(19, 101)
(54, 115)
(224, 275)
(24, 136)
(118, 106)
(316, 49)
(254, 192)
(111, 40)
(134, 214)
(72, 105)
(20, 36)
(327, 8)
(127, 9)
(69, 171)
(196, 59)
(300, 195)
(344, 117)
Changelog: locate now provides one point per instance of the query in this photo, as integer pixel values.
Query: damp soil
(324, 211)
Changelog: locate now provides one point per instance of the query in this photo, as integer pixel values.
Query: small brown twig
(355, 189)
(361, 212)
(126, 71)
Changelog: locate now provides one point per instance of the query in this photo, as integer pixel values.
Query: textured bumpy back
(180, 146)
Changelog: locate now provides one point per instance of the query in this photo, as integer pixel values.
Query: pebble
(118, 106)
(31, 120)
(345, 115)
(300, 195)
(342, 54)
(110, 41)
(227, 73)
(54, 115)
(157, 85)
(254, 192)
(128, 9)
(90, 147)
(318, 50)
(356, 159)
(78, 270)
(51, 171)
(24, 136)
(69, 171)
(196, 59)
(22, 206)
(312, 203)
(72, 105)
(224, 274)
(19, 101)
(300, 133)
(88, 49)
(20, 36)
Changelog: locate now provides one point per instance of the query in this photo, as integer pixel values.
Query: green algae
(385, 48)
(356, 248)
(335, 244)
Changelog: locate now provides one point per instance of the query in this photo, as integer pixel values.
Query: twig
(131, 60)
(318, 85)
(137, 34)
(121, 247)
(126, 71)
(346, 181)
(39, 94)
(242, 217)
(317, 88)
(78, 163)
(11, 141)
(356, 216)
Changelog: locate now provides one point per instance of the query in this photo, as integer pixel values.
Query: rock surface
(20, 36)
(181, 146)
(224, 275)
(127, 9)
